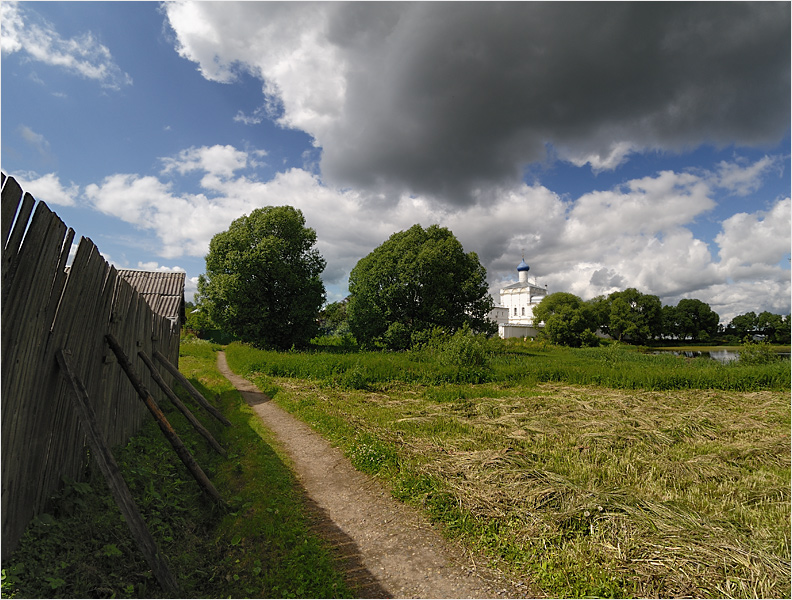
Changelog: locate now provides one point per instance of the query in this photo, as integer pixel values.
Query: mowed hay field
(585, 490)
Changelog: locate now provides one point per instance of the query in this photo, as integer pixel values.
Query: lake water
(722, 356)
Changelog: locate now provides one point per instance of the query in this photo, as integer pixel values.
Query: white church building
(514, 314)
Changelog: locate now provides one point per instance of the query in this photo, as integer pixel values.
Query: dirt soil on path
(388, 549)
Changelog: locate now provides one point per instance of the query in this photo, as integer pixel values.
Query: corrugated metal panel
(164, 292)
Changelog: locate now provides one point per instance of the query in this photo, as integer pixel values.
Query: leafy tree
(635, 317)
(417, 280)
(784, 334)
(262, 278)
(771, 326)
(696, 320)
(669, 322)
(333, 318)
(743, 325)
(568, 320)
(198, 320)
(600, 309)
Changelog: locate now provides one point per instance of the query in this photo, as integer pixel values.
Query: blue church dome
(522, 266)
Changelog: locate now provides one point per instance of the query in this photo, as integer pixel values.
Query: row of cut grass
(588, 490)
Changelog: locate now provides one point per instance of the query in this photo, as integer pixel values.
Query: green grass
(262, 546)
(616, 366)
(599, 472)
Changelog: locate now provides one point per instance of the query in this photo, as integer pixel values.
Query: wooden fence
(47, 308)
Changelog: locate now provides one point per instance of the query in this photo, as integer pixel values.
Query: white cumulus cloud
(634, 235)
(48, 188)
(752, 239)
(24, 31)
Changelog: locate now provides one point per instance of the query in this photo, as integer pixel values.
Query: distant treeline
(629, 316)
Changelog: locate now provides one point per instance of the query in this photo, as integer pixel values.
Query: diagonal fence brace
(162, 421)
(109, 468)
(180, 405)
(190, 388)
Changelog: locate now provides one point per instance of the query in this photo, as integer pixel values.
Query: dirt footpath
(388, 548)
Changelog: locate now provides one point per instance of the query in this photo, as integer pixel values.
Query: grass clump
(648, 482)
(757, 353)
(262, 546)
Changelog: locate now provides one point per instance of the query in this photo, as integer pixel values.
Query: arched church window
(523, 311)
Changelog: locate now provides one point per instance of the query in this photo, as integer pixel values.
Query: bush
(465, 350)
(469, 354)
(397, 337)
(757, 353)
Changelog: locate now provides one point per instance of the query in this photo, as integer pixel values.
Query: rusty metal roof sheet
(164, 292)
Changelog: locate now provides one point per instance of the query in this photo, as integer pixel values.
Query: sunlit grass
(614, 366)
(591, 490)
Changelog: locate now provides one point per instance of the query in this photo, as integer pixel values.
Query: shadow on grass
(346, 556)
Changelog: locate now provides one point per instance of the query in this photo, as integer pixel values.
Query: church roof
(523, 266)
(524, 285)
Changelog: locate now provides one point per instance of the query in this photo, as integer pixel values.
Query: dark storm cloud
(441, 98)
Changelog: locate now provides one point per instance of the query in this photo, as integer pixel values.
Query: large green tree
(567, 320)
(415, 281)
(696, 320)
(774, 327)
(634, 316)
(743, 325)
(600, 309)
(262, 279)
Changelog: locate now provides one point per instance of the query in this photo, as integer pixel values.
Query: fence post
(109, 468)
(163, 423)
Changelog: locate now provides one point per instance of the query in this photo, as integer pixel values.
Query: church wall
(519, 304)
(517, 301)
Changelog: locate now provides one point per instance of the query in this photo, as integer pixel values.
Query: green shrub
(397, 337)
(355, 378)
(757, 353)
(465, 350)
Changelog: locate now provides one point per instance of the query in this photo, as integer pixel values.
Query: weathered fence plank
(11, 254)
(59, 282)
(118, 487)
(12, 194)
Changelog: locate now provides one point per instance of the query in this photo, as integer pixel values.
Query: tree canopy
(695, 320)
(634, 316)
(262, 281)
(415, 281)
(567, 320)
(774, 328)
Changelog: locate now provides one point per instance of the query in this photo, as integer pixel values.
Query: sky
(641, 145)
